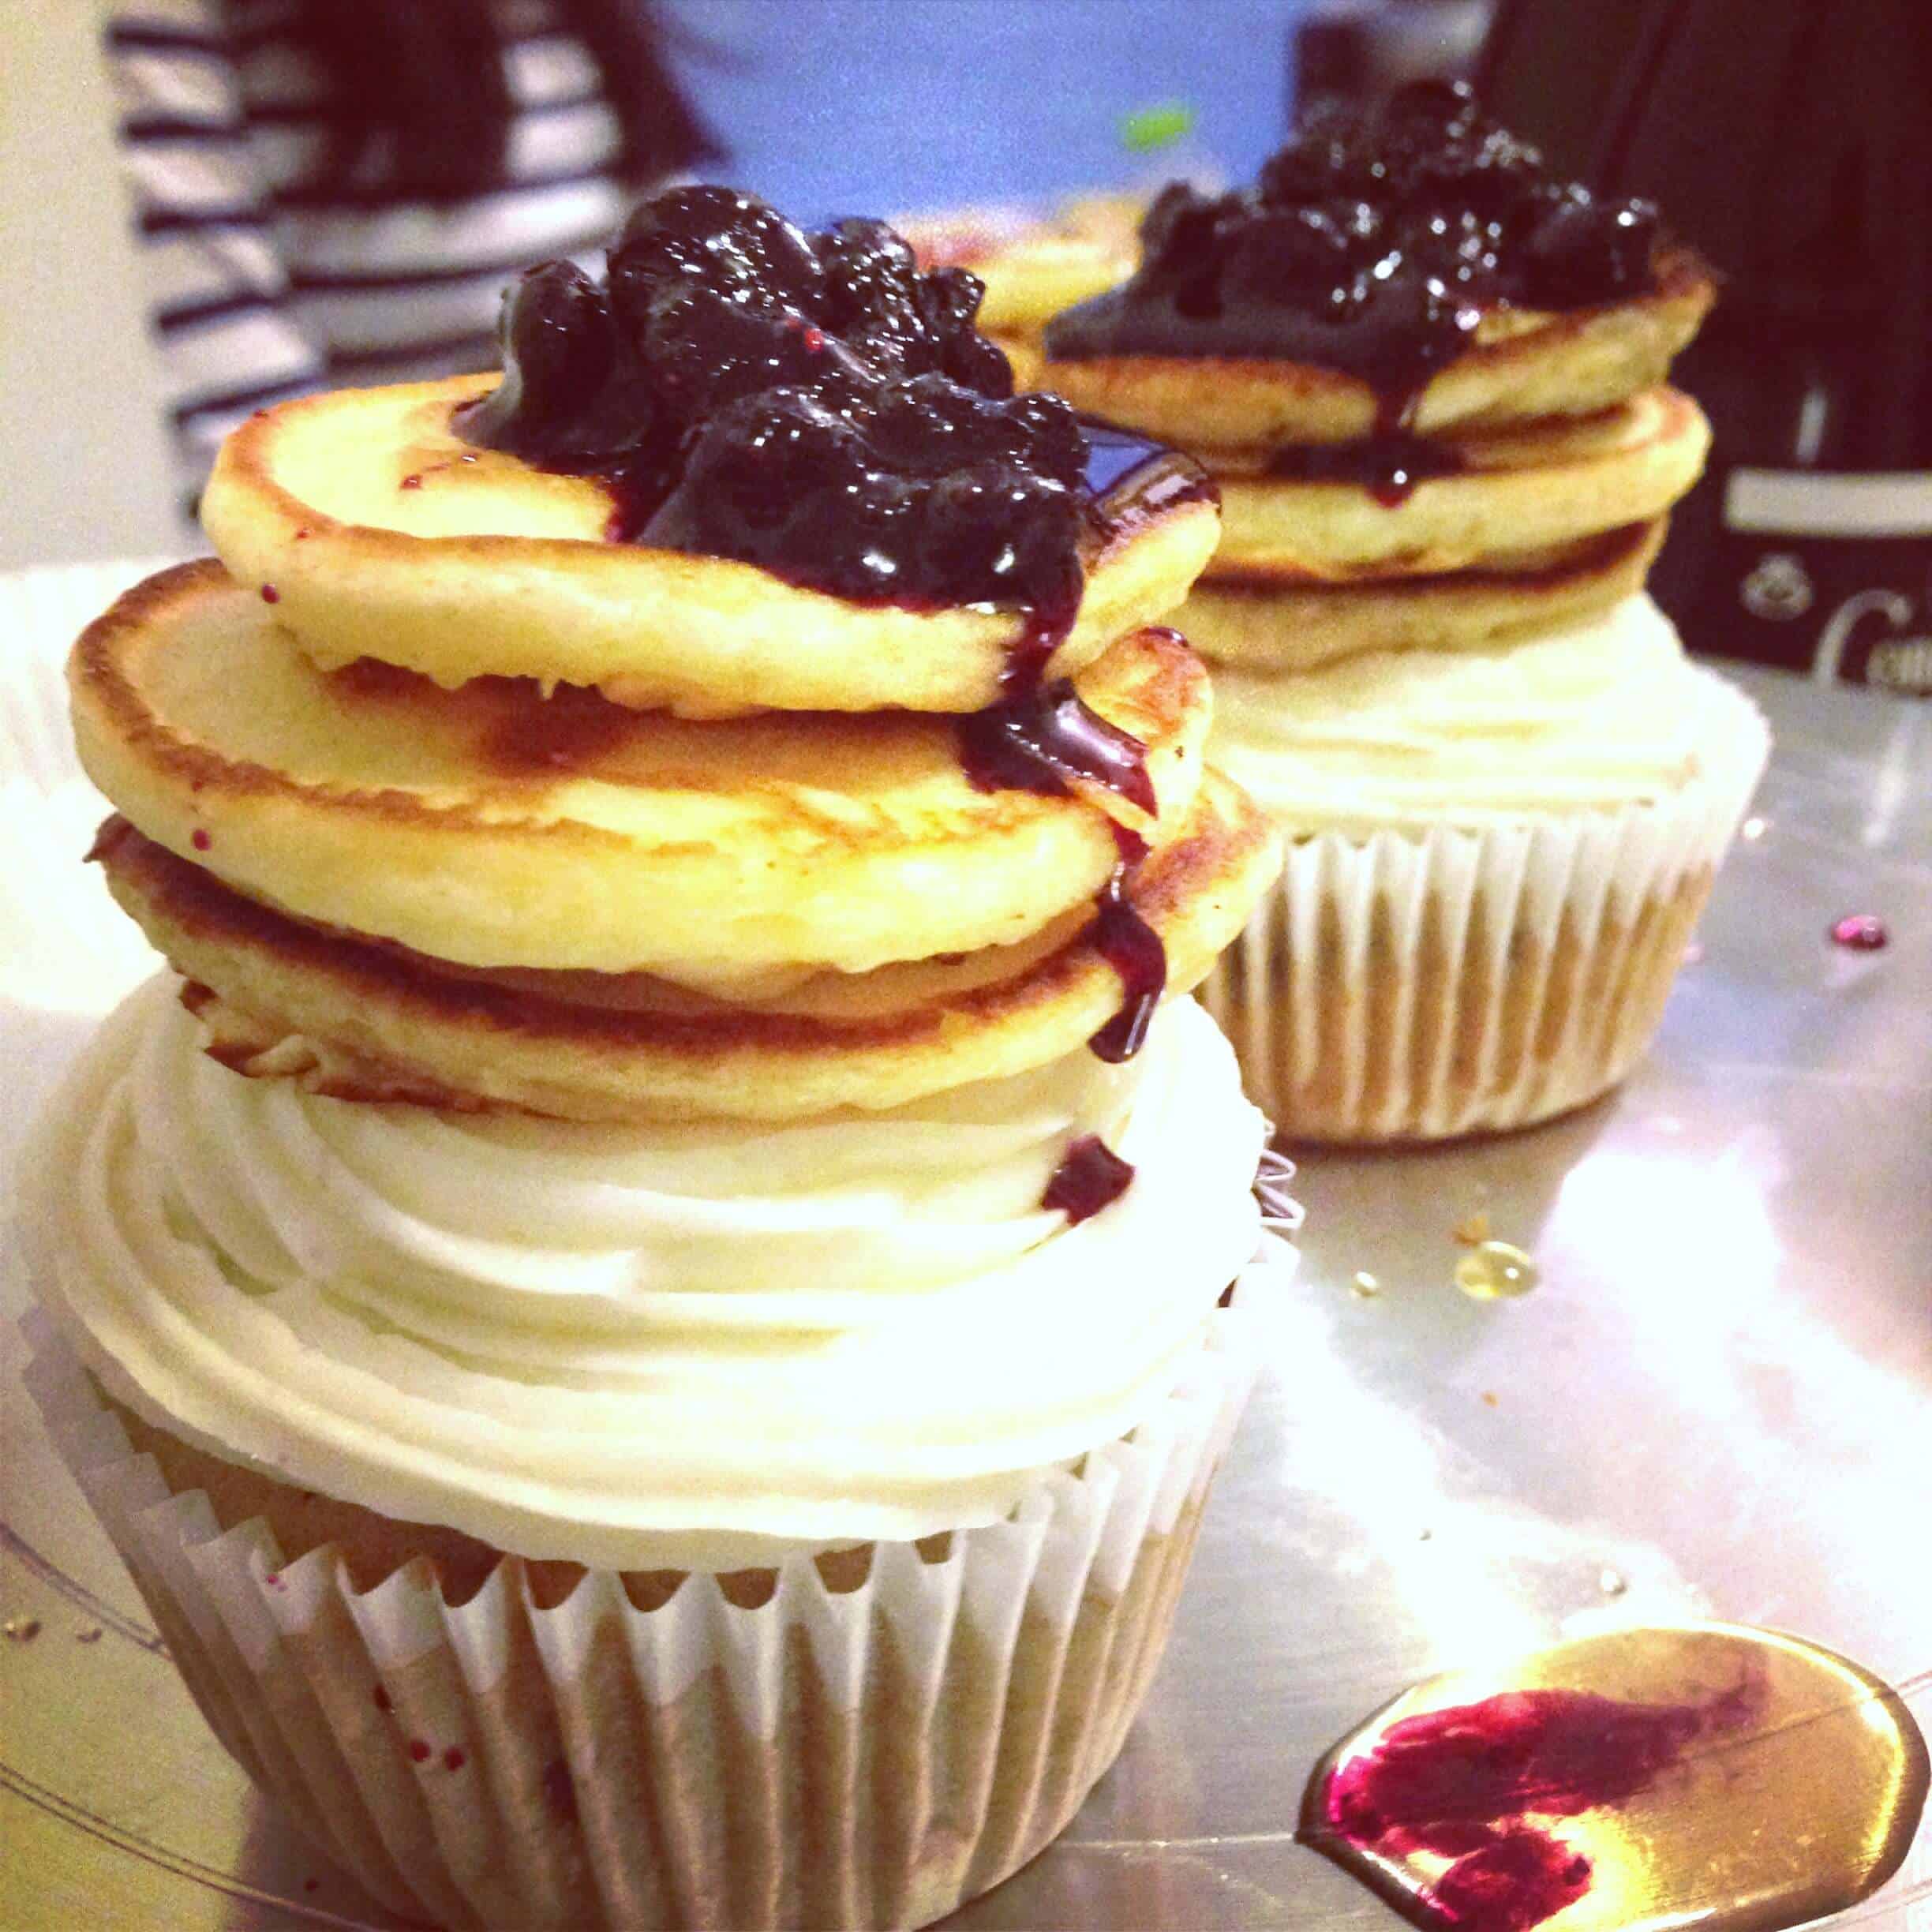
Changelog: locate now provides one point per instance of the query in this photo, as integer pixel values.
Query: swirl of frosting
(1604, 714)
(639, 1346)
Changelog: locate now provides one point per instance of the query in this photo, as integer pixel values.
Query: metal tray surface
(1717, 1401)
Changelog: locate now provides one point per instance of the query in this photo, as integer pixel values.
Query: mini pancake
(379, 532)
(1531, 488)
(1525, 364)
(363, 1021)
(1279, 626)
(1034, 269)
(492, 827)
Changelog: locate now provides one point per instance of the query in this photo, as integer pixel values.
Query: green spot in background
(1158, 126)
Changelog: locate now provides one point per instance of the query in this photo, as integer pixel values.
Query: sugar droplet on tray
(1494, 1271)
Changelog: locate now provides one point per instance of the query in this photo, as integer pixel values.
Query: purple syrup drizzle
(1091, 1176)
(1388, 465)
(1133, 948)
(1039, 735)
(1463, 1783)
(1038, 743)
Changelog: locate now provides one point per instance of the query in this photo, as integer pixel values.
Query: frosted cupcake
(653, 1300)
(1427, 375)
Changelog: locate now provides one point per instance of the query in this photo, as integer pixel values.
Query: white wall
(83, 468)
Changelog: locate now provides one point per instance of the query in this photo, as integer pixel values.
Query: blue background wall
(839, 106)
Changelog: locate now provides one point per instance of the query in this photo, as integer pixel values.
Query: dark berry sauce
(1091, 1176)
(809, 403)
(1372, 243)
(1040, 735)
(1462, 1783)
(1133, 948)
(1038, 741)
(1388, 467)
(1860, 932)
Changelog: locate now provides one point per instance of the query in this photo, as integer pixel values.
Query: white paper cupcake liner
(1414, 987)
(869, 1756)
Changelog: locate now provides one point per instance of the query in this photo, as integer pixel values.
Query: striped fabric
(264, 288)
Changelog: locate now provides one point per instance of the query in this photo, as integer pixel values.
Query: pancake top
(1032, 269)
(1376, 243)
(373, 527)
(803, 452)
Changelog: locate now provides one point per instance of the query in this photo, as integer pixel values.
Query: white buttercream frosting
(642, 1345)
(1605, 713)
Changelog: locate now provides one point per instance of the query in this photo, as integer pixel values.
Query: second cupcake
(1428, 375)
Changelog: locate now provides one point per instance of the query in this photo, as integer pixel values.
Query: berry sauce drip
(1133, 948)
(1038, 743)
(1861, 932)
(1372, 243)
(1091, 1176)
(1040, 734)
(1463, 1783)
(1388, 467)
(808, 402)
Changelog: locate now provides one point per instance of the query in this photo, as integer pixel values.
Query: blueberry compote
(1372, 243)
(1091, 1176)
(811, 403)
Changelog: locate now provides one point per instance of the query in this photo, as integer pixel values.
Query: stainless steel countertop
(1718, 1402)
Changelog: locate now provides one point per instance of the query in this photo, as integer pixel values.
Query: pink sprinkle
(383, 1701)
(412, 481)
(302, 536)
(454, 1758)
(418, 1750)
(270, 594)
(814, 340)
(274, 1579)
(1861, 931)
(199, 839)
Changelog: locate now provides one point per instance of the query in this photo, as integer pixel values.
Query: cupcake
(651, 1297)
(1428, 375)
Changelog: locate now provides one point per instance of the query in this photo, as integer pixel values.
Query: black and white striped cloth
(264, 288)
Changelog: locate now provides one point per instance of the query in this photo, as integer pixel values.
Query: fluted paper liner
(1408, 986)
(870, 1756)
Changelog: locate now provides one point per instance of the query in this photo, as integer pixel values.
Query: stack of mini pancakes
(802, 938)
(1528, 488)
(376, 813)
(1505, 790)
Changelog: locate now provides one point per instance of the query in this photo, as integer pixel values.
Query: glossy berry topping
(1372, 243)
(808, 402)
